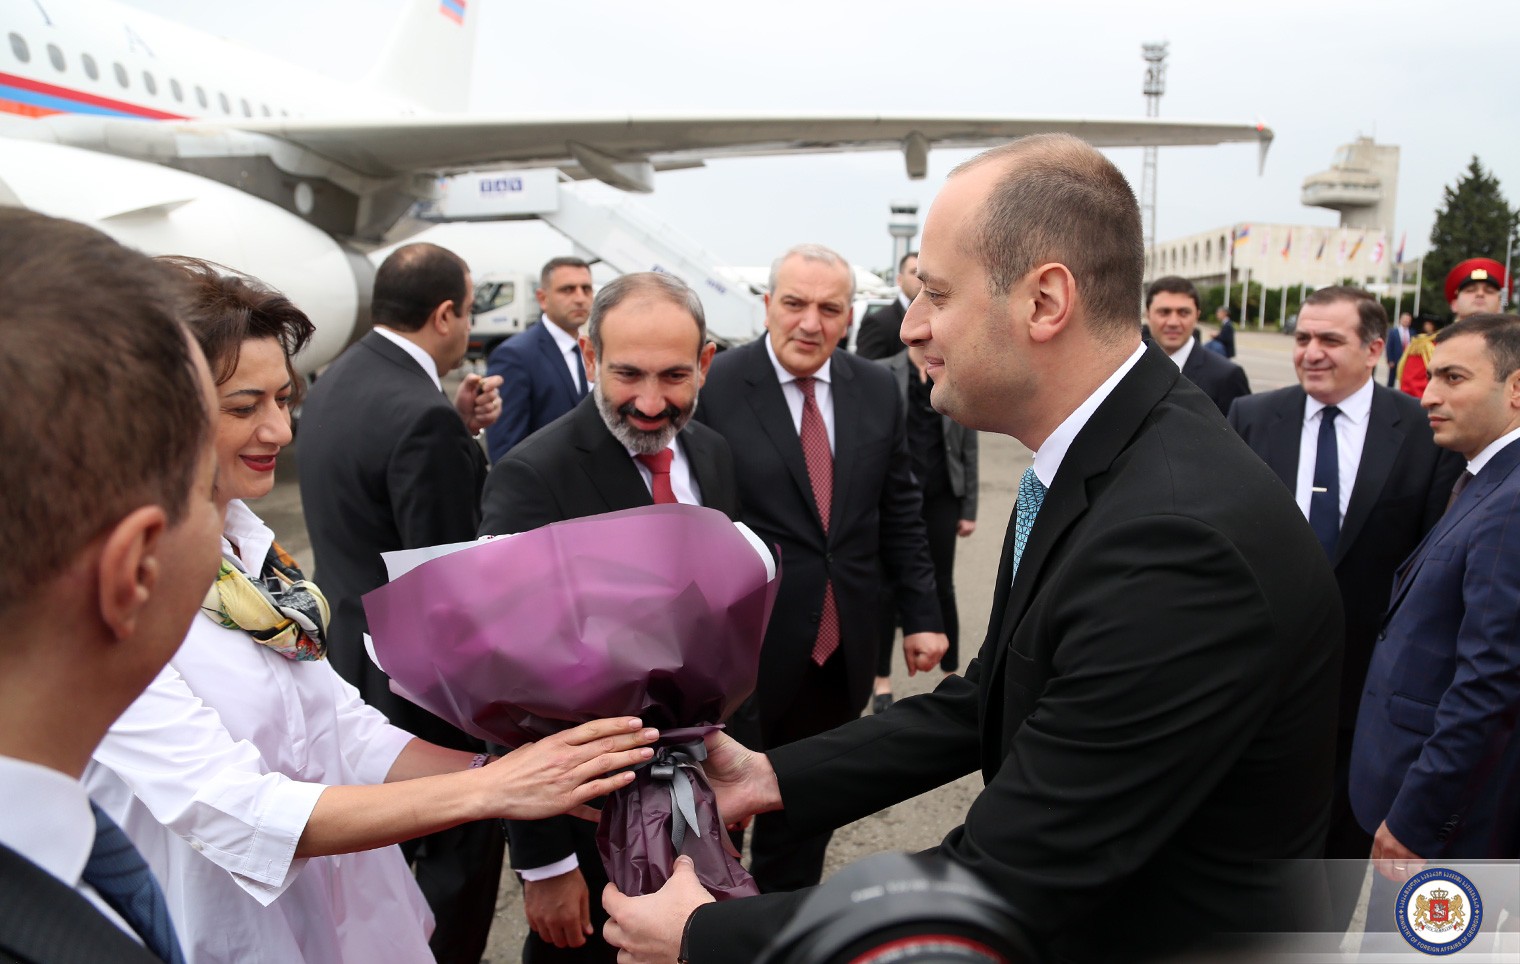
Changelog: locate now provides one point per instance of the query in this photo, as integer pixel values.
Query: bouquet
(656, 612)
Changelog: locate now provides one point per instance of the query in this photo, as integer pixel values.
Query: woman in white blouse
(263, 792)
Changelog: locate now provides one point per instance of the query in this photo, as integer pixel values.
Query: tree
(1474, 221)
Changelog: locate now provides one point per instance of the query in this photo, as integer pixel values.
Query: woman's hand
(555, 774)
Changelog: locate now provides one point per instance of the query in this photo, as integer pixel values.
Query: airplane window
(20, 49)
(226, 105)
(56, 56)
(200, 97)
(121, 74)
(247, 111)
(150, 83)
(91, 71)
(176, 90)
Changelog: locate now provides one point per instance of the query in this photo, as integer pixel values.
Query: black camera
(898, 907)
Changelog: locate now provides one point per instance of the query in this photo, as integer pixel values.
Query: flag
(1377, 251)
(1356, 247)
(1266, 242)
(1399, 257)
(1241, 234)
(1341, 256)
(453, 9)
(1288, 245)
(1321, 252)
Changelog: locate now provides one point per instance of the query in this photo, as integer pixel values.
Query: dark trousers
(596, 950)
(1347, 845)
(459, 871)
(780, 858)
(942, 516)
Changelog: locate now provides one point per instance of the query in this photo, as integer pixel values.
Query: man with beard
(631, 443)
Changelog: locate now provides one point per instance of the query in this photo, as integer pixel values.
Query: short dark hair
(1500, 334)
(546, 274)
(662, 285)
(104, 407)
(1061, 200)
(414, 281)
(1372, 320)
(224, 309)
(903, 261)
(1173, 285)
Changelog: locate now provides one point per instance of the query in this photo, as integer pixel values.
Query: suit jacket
(876, 529)
(1401, 489)
(45, 921)
(960, 441)
(386, 464)
(1436, 752)
(880, 332)
(536, 387)
(1219, 378)
(574, 468)
(1152, 710)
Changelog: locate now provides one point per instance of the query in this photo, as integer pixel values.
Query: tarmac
(923, 821)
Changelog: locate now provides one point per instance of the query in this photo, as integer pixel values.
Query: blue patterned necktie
(122, 879)
(1031, 497)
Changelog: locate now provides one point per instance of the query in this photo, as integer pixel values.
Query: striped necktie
(122, 879)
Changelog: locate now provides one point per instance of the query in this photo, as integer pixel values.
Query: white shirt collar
(562, 338)
(1355, 407)
(784, 376)
(45, 816)
(252, 536)
(1047, 461)
(1491, 449)
(902, 299)
(1180, 356)
(422, 358)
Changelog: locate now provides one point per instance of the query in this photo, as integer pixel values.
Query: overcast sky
(1319, 73)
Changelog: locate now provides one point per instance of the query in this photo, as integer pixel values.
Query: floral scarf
(280, 609)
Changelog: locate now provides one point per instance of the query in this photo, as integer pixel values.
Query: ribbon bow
(669, 766)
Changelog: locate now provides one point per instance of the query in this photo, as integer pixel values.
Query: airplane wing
(623, 151)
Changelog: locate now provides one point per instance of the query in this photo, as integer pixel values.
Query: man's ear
(588, 357)
(442, 318)
(704, 360)
(129, 568)
(1054, 292)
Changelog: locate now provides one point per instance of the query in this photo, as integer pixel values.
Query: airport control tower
(1362, 184)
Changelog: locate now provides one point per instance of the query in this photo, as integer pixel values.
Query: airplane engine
(161, 210)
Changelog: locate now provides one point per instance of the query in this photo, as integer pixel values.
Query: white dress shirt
(823, 393)
(1491, 449)
(569, 349)
(1047, 461)
(683, 484)
(45, 817)
(213, 773)
(1180, 356)
(1350, 439)
(422, 358)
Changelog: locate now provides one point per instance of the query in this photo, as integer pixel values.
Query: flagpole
(1229, 269)
(1261, 314)
(1509, 284)
(1419, 282)
(1245, 299)
(1398, 293)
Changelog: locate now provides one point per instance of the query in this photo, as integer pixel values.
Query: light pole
(1155, 86)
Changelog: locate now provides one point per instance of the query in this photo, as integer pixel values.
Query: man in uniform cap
(1473, 287)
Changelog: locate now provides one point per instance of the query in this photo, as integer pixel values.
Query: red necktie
(820, 467)
(659, 475)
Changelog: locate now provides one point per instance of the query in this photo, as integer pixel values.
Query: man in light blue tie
(109, 539)
(1152, 711)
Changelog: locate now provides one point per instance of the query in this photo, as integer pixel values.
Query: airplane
(175, 141)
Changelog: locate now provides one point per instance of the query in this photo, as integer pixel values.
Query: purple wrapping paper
(656, 612)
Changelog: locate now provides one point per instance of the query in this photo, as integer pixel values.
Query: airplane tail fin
(428, 59)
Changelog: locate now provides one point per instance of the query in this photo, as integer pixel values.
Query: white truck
(504, 306)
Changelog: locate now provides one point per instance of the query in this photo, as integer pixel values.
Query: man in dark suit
(944, 455)
(1435, 773)
(109, 540)
(541, 369)
(1153, 707)
(819, 441)
(1224, 342)
(879, 333)
(1171, 313)
(388, 463)
(1386, 483)
(632, 443)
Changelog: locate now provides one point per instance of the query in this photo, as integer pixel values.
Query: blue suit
(536, 387)
(1393, 349)
(1436, 753)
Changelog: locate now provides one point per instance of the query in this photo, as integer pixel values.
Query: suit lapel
(847, 416)
(549, 349)
(1385, 436)
(770, 409)
(1284, 433)
(607, 463)
(704, 465)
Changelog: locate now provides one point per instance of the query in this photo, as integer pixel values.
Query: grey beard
(636, 440)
